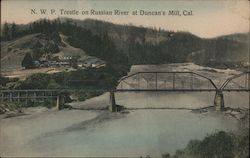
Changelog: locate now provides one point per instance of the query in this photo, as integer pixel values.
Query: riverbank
(97, 132)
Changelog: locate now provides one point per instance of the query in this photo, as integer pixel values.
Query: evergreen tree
(6, 31)
(13, 30)
(27, 61)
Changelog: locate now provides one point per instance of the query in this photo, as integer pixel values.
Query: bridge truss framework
(144, 81)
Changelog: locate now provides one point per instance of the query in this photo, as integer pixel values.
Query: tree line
(125, 45)
(9, 31)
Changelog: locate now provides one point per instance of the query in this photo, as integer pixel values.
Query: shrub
(37, 81)
(220, 145)
(53, 84)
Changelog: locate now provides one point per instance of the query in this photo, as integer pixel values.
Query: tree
(37, 81)
(6, 31)
(27, 61)
(51, 47)
(13, 30)
(53, 84)
(73, 63)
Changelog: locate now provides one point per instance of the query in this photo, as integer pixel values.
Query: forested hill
(127, 44)
(155, 46)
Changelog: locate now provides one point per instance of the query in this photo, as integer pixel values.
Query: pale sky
(210, 17)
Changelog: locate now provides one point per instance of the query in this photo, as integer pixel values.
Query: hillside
(39, 46)
(13, 52)
(157, 46)
(125, 45)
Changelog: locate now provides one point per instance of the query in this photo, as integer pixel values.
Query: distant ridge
(142, 45)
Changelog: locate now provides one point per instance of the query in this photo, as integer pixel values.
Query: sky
(210, 18)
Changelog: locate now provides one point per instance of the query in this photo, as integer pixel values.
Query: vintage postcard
(125, 78)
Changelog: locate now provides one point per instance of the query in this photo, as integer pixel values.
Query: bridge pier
(112, 105)
(219, 101)
(60, 102)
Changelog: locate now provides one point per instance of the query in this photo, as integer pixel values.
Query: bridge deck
(180, 90)
(56, 91)
(145, 82)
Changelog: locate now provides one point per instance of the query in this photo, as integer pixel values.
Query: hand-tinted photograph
(125, 78)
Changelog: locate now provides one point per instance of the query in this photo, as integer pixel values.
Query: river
(98, 133)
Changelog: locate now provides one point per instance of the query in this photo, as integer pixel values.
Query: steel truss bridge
(180, 81)
(143, 82)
